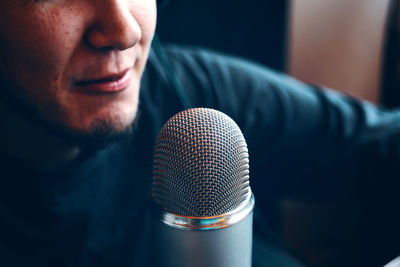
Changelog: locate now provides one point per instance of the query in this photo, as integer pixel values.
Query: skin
(46, 48)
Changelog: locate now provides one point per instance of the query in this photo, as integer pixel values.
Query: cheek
(37, 45)
(34, 52)
(145, 13)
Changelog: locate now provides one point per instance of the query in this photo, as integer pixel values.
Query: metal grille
(201, 165)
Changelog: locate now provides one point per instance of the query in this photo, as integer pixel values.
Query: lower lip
(109, 86)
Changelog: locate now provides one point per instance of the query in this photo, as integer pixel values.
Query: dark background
(255, 29)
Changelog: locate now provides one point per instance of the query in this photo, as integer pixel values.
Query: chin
(97, 130)
(98, 136)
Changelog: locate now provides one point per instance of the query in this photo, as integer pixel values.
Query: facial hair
(100, 134)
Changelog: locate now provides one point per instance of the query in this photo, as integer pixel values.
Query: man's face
(75, 65)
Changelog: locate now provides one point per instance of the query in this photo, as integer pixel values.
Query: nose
(114, 26)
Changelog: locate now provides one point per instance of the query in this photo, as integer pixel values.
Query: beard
(100, 133)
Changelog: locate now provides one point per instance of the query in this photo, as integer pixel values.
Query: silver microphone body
(218, 241)
(201, 216)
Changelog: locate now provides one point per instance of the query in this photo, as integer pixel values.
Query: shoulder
(204, 73)
(233, 85)
(213, 63)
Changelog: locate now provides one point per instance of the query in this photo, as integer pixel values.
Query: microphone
(202, 202)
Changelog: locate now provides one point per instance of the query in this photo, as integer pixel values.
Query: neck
(26, 141)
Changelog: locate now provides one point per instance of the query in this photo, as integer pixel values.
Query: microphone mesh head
(201, 164)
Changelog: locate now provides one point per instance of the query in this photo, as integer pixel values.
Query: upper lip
(109, 77)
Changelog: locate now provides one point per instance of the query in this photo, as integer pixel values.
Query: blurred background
(349, 45)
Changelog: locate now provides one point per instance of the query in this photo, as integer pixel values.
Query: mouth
(107, 84)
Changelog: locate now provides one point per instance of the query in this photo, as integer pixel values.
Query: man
(83, 98)
(73, 60)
